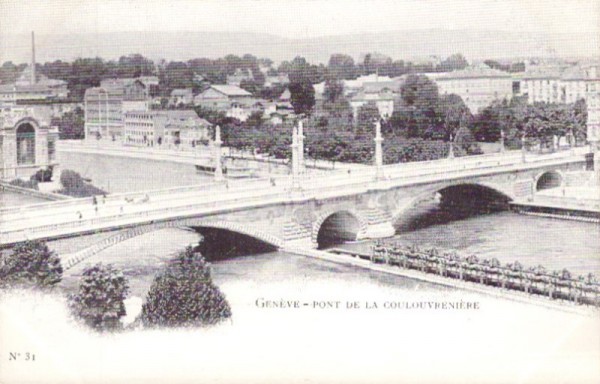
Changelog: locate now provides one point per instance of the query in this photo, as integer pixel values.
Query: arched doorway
(25, 144)
(337, 228)
(549, 180)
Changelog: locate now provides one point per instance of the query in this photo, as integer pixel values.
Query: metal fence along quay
(512, 276)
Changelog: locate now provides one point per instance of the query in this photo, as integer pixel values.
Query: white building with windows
(478, 86)
(593, 105)
(180, 129)
(542, 84)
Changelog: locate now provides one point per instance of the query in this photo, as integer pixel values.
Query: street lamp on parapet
(378, 151)
(300, 140)
(523, 149)
(217, 154)
(451, 148)
(502, 149)
(295, 160)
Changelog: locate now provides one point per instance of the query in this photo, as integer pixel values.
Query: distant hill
(475, 45)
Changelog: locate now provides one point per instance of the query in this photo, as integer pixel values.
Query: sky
(296, 18)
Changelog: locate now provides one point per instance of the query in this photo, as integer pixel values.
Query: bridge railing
(84, 225)
(450, 167)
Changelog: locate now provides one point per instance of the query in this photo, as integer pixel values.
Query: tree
(302, 96)
(420, 92)
(30, 265)
(71, 180)
(255, 120)
(341, 66)
(453, 62)
(9, 72)
(453, 111)
(70, 125)
(175, 75)
(99, 302)
(334, 89)
(578, 116)
(74, 185)
(184, 295)
(366, 117)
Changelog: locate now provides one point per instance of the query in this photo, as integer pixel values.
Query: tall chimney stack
(33, 78)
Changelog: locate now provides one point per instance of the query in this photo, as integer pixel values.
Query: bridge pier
(379, 231)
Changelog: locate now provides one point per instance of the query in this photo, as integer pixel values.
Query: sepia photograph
(300, 191)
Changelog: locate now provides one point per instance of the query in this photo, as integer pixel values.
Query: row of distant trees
(84, 73)
(181, 295)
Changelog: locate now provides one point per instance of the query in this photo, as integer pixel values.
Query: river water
(121, 174)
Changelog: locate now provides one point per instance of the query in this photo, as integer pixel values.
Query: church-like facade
(27, 142)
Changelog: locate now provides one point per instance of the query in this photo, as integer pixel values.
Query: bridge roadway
(61, 218)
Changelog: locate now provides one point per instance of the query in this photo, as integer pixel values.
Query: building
(221, 97)
(478, 85)
(381, 93)
(32, 86)
(27, 141)
(542, 84)
(278, 80)
(239, 76)
(352, 87)
(151, 84)
(103, 113)
(593, 105)
(105, 105)
(166, 129)
(181, 96)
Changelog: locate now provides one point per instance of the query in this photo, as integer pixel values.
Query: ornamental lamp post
(502, 149)
(217, 148)
(295, 160)
(300, 140)
(451, 148)
(523, 149)
(378, 151)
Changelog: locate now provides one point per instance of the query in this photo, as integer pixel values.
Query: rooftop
(231, 90)
(473, 72)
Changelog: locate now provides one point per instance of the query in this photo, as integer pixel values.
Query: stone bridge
(283, 212)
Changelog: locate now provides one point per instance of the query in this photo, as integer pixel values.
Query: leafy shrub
(74, 185)
(29, 184)
(30, 265)
(99, 301)
(185, 295)
(42, 175)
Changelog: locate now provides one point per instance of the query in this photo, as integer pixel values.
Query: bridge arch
(549, 179)
(466, 190)
(70, 260)
(339, 224)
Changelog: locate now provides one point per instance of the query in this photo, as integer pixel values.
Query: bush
(99, 301)
(184, 295)
(42, 175)
(74, 185)
(29, 184)
(30, 265)
(71, 180)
